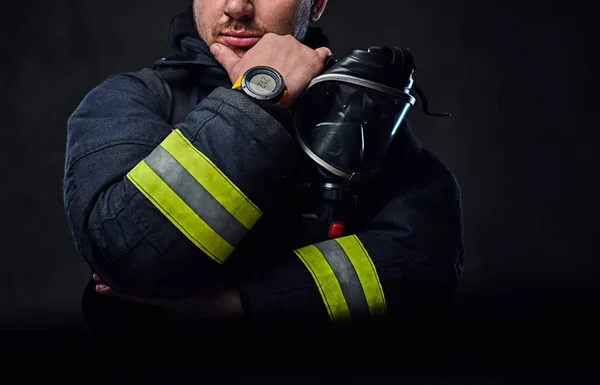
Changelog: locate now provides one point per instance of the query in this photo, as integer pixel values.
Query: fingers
(106, 290)
(323, 52)
(225, 56)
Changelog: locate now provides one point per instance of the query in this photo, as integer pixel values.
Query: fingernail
(101, 287)
(215, 48)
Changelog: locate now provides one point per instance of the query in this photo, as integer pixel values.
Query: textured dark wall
(512, 73)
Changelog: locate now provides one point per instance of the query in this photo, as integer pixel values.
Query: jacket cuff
(253, 107)
(277, 111)
(282, 290)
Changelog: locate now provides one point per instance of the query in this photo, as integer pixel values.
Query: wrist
(264, 84)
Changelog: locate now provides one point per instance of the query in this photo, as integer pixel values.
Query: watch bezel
(252, 72)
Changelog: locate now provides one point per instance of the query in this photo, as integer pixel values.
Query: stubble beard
(302, 18)
(302, 22)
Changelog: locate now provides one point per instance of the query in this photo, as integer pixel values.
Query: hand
(220, 303)
(297, 63)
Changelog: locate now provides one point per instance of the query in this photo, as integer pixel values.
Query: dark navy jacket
(409, 219)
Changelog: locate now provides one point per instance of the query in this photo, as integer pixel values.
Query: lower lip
(240, 42)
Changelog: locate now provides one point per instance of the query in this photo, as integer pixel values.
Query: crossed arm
(127, 228)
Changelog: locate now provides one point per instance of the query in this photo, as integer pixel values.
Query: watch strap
(238, 83)
(283, 101)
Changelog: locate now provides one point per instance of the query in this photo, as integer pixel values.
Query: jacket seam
(133, 244)
(115, 214)
(78, 196)
(109, 144)
(76, 201)
(207, 121)
(144, 236)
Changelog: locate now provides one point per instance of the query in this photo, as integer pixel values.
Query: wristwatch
(265, 84)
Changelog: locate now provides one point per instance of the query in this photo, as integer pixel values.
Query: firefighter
(224, 215)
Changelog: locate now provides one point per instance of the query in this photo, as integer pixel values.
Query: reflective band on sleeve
(195, 196)
(328, 285)
(346, 278)
(213, 180)
(367, 275)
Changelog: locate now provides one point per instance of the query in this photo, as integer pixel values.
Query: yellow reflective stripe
(346, 278)
(179, 213)
(212, 179)
(327, 283)
(365, 269)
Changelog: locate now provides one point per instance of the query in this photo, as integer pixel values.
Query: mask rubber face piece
(347, 128)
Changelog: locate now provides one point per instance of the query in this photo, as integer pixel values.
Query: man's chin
(239, 51)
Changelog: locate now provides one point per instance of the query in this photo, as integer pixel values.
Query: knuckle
(315, 60)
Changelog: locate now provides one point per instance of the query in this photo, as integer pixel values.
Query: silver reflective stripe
(348, 279)
(196, 196)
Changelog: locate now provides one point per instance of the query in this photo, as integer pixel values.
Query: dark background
(516, 76)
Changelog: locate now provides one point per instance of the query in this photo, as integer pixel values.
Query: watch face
(263, 83)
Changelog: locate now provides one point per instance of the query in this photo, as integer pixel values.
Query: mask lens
(348, 126)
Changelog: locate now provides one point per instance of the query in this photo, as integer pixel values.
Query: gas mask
(348, 116)
(345, 122)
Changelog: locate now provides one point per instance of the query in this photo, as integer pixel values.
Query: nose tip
(239, 9)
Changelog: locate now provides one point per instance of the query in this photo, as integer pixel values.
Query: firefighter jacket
(159, 210)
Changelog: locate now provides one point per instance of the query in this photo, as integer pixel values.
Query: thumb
(225, 56)
(323, 53)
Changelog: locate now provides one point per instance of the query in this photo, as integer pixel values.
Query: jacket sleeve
(156, 210)
(407, 256)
